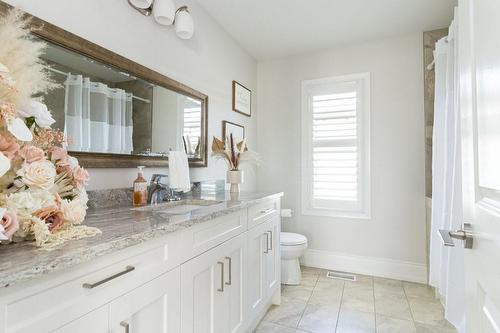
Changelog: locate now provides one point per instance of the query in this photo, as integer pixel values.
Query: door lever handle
(465, 235)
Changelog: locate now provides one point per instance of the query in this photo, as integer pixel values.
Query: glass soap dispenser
(140, 197)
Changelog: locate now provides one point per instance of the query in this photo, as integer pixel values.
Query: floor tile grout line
(340, 308)
(307, 302)
(374, 304)
(409, 306)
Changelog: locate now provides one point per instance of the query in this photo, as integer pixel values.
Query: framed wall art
(242, 99)
(228, 128)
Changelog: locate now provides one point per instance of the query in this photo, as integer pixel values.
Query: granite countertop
(121, 227)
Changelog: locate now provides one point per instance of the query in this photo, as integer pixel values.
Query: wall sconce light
(164, 13)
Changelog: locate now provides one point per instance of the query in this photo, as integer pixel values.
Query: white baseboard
(382, 267)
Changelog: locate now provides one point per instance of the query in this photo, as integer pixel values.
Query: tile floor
(369, 305)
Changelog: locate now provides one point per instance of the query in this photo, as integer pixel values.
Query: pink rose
(52, 216)
(32, 154)
(8, 146)
(59, 155)
(81, 176)
(9, 223)
(64, 169)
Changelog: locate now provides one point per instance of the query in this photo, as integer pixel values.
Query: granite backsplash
(123, 196)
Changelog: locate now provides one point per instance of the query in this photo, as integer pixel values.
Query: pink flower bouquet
(42, 188)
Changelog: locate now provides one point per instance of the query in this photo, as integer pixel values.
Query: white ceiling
(277, 28)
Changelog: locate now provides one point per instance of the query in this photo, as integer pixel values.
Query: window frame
(329, 85)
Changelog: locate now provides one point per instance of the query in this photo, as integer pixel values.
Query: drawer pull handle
(221, 264)
(230, 268)
(265, 211)
(127, 269)
(267, 242)
(126, 326)
(271, 240)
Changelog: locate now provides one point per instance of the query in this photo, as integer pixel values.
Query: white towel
(178, 171)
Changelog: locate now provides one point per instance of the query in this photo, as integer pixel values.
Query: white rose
(4, 164)
(39, 174)
(24, 202)
(38, 110)
(73, 211)
(45, 197)
(73, 162)
(82, 196)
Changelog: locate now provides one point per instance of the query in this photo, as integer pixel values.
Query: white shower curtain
(446, 263)
(97, 118)
(73, 104)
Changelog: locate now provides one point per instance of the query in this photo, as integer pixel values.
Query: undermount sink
(179, 207)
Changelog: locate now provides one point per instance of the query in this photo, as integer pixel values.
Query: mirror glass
(105, 110)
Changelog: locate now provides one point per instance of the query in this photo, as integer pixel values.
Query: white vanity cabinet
(218, 276)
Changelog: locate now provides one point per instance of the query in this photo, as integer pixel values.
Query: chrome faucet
(159, 192)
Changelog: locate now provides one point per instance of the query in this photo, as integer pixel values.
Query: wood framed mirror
(115, 112)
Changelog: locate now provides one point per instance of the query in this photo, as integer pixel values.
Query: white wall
(208, 63)
(392, 242)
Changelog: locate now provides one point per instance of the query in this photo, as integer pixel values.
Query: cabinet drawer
(262, 212)
(205, 236)
(55, 306)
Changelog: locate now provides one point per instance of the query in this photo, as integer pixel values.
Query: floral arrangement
(42, 188)
(234, 153)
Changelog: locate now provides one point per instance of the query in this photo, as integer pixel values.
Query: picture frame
(242, 99)
(238, 131)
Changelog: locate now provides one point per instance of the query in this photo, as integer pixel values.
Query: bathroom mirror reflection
(104, 110)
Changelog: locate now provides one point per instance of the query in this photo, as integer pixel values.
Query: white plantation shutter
(335, 146)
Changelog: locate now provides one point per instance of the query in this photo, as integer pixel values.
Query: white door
(272, 257)
(479, 61)
(257, 248)
(151, 308)
(95, 321)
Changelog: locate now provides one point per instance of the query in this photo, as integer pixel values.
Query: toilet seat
(292, 239)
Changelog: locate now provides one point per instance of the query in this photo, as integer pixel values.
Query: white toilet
(292, 246)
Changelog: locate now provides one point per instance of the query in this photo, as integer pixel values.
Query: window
(336, 146)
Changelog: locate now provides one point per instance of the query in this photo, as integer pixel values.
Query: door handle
(265, 211)
(465, 235)
(271, 240)
(126, 326)
(221, 264)
(230, 268)
(127, 269)
(267, 242)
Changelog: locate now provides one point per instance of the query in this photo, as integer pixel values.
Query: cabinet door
(151, 308)
(234, 280)
(272, 257)
(95, 321)
(255, 265)
(203, 301)
(212, 290)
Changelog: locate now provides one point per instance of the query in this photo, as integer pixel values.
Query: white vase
(235, 178)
